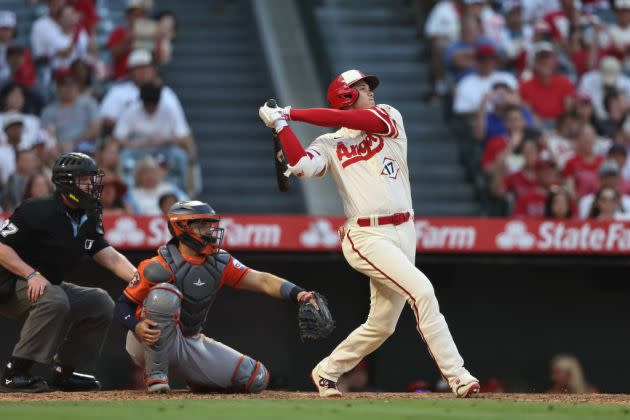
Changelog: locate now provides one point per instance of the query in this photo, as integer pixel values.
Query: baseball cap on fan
(7, 19)
(622, 4)
(139, 57)
(543, 47)
(610, 69)
(610, 167)
(11, 118)
(508, 5)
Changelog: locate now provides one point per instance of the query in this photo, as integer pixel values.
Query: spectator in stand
(619, 154)
(598, 83)
(74, 120)
(148, 128)
(501, 100)
(619, 32)
(609, 177)
(38, 185)
(532, 203)
(26, 165)
(471, 90)
(12, 125)
(459, 58)
(82, 73)
(88, 17)
(149, 186)
(16, 62)
(561, 141)
(548, 94)
(12, 100)
(581, 170)
(123, 95)
(516, 36)
(567, 376)
(108, 156)
(617, 106)
(562, 20)
(113, 194)
(521, 182)
(606, 205)
(70, 43)
(166, 201)
(558, 204)
(46, 31)
(585, 113)
(139, 32)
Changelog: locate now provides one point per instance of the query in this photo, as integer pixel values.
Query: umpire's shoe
(70, 381)
(22, 382)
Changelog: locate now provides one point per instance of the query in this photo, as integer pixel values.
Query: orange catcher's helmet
(340, 93)
(196, 224)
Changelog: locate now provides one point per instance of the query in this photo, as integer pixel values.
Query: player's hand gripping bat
(279, 159)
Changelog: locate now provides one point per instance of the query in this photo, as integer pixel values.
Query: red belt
(393, 219)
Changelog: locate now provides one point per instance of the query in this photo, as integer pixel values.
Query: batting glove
(274, 117)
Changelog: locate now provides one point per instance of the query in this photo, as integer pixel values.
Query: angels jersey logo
(365, 150)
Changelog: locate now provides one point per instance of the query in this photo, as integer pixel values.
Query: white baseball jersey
(370, 169)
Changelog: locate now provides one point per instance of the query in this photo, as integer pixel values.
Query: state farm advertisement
(434, 235)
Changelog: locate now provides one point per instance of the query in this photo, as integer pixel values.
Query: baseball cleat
(466, 386)
(326, 387)
(73, 382)
(23, 383)
(157, 383)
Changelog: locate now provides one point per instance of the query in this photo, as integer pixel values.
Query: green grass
(307, 409)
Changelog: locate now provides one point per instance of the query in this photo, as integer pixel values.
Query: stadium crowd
(72, 84)
(539, 95)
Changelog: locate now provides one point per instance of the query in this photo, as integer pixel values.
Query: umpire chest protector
(199, 284)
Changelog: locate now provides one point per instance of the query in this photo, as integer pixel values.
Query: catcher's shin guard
(162, 305)
(250, 376)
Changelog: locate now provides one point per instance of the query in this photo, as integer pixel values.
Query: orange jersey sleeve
(138, 288)
(234, 272)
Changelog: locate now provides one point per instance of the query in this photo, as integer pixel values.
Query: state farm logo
(444, 237)
(365, 150)
(319, 233)
(251, 234)
(125, 232)
(515, 235)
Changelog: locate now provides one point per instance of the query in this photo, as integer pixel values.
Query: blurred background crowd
(72, 81)
(538, 95)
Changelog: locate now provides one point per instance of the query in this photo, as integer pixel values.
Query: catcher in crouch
(166, 304)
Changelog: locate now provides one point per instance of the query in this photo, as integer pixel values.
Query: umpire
(64, 324)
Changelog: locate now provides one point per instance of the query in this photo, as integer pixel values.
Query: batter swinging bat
(278, 157)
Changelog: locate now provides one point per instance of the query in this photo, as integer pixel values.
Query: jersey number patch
(7, 229)
(390, 168)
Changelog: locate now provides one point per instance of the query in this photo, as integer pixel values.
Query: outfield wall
(509, 316)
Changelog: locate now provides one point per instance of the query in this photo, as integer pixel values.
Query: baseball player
(166, 304)
(368, 161)
(40, 244)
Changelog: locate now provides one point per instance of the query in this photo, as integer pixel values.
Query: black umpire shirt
(49, 237)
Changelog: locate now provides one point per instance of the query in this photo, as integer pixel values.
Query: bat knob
(271, 103)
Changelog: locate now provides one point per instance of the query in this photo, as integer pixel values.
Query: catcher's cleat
(22, 382)
(466, 386)
(326, 387)
(157, 383)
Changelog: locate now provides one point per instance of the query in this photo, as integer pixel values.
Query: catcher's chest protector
(198, 283)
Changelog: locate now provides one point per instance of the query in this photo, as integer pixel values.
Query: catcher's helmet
(186, 224)
(68, 175)
(341, 95)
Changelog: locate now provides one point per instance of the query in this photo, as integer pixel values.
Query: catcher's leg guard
(250, 376)
(162, 305)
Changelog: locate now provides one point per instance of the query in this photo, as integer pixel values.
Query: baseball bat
(279, 159)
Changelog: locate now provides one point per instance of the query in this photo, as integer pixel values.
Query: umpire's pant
(67, 324)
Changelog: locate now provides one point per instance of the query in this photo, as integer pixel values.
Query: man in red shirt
(548, 94)
(532, 203)
(120, 41)
(581, 170)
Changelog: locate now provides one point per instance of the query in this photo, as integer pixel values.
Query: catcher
(166, 304)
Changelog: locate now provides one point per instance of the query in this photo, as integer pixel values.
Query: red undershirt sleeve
(293, 149)
(355, 119)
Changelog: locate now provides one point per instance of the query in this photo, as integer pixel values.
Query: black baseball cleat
(73, 382)
(22, 382)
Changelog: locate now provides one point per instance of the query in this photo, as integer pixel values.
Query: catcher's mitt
(315, 324)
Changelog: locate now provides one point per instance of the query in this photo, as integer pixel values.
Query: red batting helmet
(341, 95)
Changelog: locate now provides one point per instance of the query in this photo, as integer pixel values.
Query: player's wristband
(32, 275)
(289, 291)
